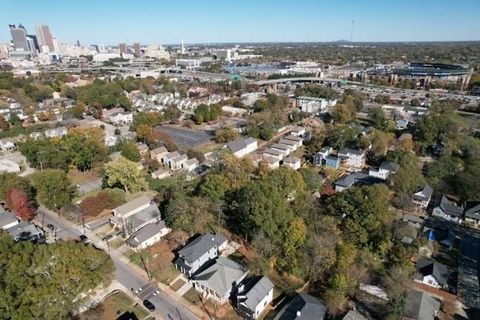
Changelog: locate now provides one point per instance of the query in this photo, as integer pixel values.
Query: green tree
(377, 116)
(130, 151)
(125, 174)
(53, 188)
(225, 134)
(192, 215)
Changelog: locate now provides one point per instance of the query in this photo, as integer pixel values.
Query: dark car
(51, 226)
(83, 238)
(107, 238)
(148, 305)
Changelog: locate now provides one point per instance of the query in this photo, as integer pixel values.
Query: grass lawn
(79, 177)
(114, 306)
(177, 285)
(165, 274)
(192, 296)
(116, 243)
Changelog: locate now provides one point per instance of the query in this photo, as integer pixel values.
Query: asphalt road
(165, 305)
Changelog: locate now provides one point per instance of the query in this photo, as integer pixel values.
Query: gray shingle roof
(426, 267)
(420, 306)
(221, 275)
(200, 245)
(239, 144)
(256, 289)
(310, 308)
(135, 221)
(424, 194)
(145, 233)
(450, 207)
(132, 205)
(356, 178)
(6, 218)
(354, 315)
(472, 210)
(390, 166)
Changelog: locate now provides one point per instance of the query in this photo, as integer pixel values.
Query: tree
(130, 151)
(226, 134)
(18, 201)
(343, 113)
(125, 174)
(192, 215)
(48, 281)
(145, 133)
(105, 199)
(53, 188)
(377, 116)
(214, 186)
(294, 238)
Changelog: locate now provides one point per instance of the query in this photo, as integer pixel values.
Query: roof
(6, 218)
(132, 205)
(200, 245)
(346, 151)
(420, 306)
(160, 172)
(450, 207)
(424, 194)
(171, 155)
(221, 275)
(472, 209)
(159, 150)
(145, 233)
(240, 144)
(390, 166)
(356, 178)
(256, 289)
(309, 308)
(293, 138)
(354, 315)
(138, 219)
(426, 267)
(291, 159)
(24, 230)
(192, 161)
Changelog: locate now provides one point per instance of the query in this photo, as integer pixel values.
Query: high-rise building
(45, 37)
(19, 37)
(123, 48)
(136, 49)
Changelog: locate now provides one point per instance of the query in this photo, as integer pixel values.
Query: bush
(105, 199)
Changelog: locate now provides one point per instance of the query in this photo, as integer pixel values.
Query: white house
(472, 212)
(6, 145)
(297, 131)
(290, 143)
(421, 198)
(167, 157)
(160, 174)
(148, 235)
(312, 104)
(297, 140)
(199, 251)
(158, 153)
(135, 214)
(449, 210)
(283, 148)
(177, 162)
(120, 118)
(56, 133)
(272, 153)
(9, 166)
(272, 162)
(352, 158)
(190, 164)
(7, 219)
(384, 171)
(253, 296)
(432, 273)
(292, 162)
(240, 147)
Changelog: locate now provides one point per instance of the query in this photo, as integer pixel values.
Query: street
(165, 305)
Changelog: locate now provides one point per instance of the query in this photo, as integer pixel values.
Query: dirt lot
(185, 138)
(113, 307)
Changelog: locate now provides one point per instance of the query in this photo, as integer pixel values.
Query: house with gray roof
(422, 197)
(355, 178)
(385, 169)
(7, 219)
(472, 212)
(253, 296)
(240, 147)
(218, 279)
(147, 235)
(198, 252)
(352, 158)
(432, 273)
(448, 209)
(303, 306)
(135, 214)
(420, 306)
(25, 231)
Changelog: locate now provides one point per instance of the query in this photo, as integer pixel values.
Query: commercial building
(19, 37)
(136, 50)
(45, 38)
(122, 47)
(187, 63)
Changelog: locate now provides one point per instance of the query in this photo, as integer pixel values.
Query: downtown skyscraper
(45, 38)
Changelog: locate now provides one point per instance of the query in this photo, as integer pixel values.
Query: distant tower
(351, 32)
(44, 37)
(136, 49)
(183, 48)
(19, 37)
(123, 48)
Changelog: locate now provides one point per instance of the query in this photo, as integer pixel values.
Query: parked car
(107, 238)
(148, 305)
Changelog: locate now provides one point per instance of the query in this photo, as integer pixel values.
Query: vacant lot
(185, 138)
(113, 307)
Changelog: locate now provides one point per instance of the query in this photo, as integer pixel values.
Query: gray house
(432, 273)
(218, 279)
(304, 307)
(472, 212)
(253, 296)
(198, 252)
(420, 306)
(449, 210)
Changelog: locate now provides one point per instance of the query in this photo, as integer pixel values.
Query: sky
(214, 21)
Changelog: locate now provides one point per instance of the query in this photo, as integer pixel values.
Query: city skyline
(249, 21)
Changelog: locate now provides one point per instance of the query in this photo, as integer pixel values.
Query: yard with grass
(113, 307)
(177, 284)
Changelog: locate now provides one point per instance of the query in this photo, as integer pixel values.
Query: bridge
(301, 79)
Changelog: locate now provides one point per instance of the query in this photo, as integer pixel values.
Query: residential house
(218, 279)
(142, 148)
(135, 214)
(385, 170)
(190, 165)
(7, 145)
(158, 154)
(297, 131)
(25, 231)
(314, 104)
(56, 132)
(420, 306)
(432, 273)
(354, 315)
(121, 118)
(283, 148)
(292, 162)
(448, 210)
(7, 165)
(272, 153)
(292, 144)
(303, 306)
(253, 296)
(199, 251)
(352, 158)
(107, 113)
(472, 212)
(421, 198)
(272, 162)
(355, 178)
(160, 174)
(178, 162)
(240, 147)
(297, 140)
(148, 235)
(7, 219)
(168, 157)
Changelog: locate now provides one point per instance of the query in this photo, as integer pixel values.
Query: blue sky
(194, 21)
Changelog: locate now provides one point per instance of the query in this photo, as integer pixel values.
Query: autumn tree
(53, 188)
(225, 134)
(18, 201)
(125, 174)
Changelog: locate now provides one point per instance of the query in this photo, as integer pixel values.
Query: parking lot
(185, 138)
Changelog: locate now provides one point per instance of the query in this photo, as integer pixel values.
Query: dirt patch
(177, 285)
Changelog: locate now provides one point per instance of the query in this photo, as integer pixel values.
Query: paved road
(165, 305)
